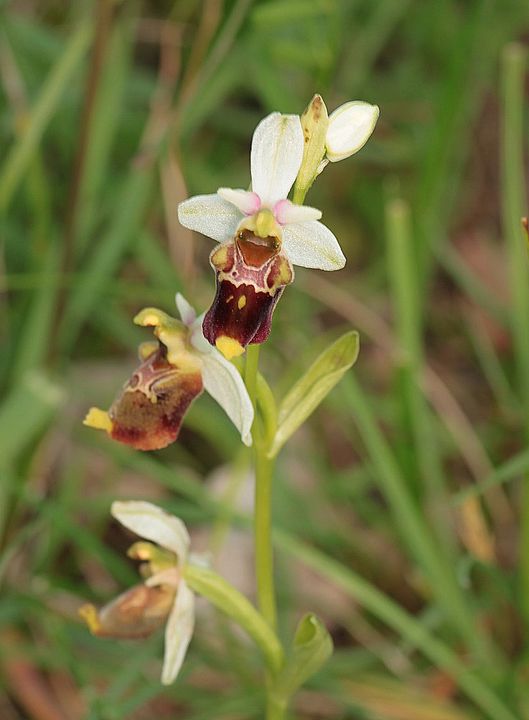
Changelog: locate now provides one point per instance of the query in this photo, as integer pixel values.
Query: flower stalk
(264, 563)
(261, 235)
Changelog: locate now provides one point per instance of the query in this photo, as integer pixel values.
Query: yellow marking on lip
(241, 302)
(229, 347)
(89, 614)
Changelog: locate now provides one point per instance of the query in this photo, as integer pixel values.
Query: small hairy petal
(312, 245)
(210, 215)
(152, 523)
(247, 202)
(277, 151)
(287, 212)
(178, 633)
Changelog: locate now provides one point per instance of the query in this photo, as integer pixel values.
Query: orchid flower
(262, 234)
(148, 412)
(163, 597)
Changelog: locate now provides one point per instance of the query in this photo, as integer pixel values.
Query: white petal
(350, 127)
(223, 382)
(196, 336)
(154, 524)
(210, 215)
(247, 202)
(312, 245)
(277, 151)
(186, 311)
(178, 632)
(286, 212)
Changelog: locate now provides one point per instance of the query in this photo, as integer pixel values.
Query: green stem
(264, 561)
(250, 374)
(276, 708)
(264, 557)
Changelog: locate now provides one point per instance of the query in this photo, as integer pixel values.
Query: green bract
(305, 395)
(311, 648)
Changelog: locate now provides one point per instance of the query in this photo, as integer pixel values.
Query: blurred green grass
(401, 513)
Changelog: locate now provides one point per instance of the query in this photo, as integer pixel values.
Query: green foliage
(311, 648)
(317, 382)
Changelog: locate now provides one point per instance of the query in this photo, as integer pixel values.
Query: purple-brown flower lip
(148, 412)
(251, 273)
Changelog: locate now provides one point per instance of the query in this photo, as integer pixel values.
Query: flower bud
(350, 127)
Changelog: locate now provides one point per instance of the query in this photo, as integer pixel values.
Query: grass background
(401, 512)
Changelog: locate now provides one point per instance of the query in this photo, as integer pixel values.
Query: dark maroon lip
(251, 274)
(240, 312)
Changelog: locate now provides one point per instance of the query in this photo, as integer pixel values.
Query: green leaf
(25, 412)
(305, 396)
(59, 79)
(311, 648)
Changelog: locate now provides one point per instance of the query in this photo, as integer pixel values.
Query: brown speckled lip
(251, 275)
(148, 413)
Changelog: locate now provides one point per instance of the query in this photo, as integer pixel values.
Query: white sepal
(222, 381)
(276, 155)
(350, 127)
(187, 312)
(210, 215)
(152, 523)
(312, 245)
(178, 632)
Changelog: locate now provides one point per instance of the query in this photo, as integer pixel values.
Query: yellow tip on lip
(229, 347)
(89, 614)
(98, 419)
